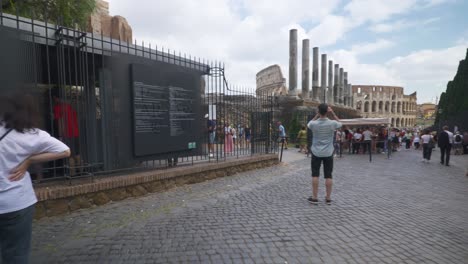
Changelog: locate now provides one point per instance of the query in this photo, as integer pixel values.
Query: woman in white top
(416, 140)
(427, 142)
(21, 144)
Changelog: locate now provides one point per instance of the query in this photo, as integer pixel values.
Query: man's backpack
(458, 138)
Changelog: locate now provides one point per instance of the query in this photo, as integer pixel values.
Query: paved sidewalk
(387, 211)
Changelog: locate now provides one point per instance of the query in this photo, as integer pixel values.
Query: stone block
(136, 190)
(99, 198)
(39, 211)
(117, 194)
(56, 207)
(79, 202)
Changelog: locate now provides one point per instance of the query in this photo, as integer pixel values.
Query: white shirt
(357, 136)
(367, 135)
(450, 136)
(416, 139)
(426, 138)
(14, 149)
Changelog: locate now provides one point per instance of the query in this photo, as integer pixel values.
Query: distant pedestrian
(427, 143)
(367, 139)
(457, 144)
(302, 139)
(416, 140)
(211, 127)
(21, 144)
(445, 142)
(322, 150)
(228, 142)
(282, 134)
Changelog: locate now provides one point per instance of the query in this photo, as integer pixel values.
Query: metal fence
(123, 106)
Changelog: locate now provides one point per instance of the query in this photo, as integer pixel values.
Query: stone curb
(58, 200)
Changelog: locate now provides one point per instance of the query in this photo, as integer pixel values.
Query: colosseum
(270, 80)
(386, 101)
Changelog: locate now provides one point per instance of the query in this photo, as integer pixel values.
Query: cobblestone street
(387, 211)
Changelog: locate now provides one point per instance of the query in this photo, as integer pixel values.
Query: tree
(453, 103)
(69, 13)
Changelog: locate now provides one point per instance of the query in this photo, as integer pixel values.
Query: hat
(206, 116)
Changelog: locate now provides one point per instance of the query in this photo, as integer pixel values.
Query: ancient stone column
(292, 62)
(345, 90)
(305, 68)
(336, 84)
(330, 95)
(315, 74)
(323, 79)
(351, 95)
(341, 88)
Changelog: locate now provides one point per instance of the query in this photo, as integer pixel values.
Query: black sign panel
(165, 103)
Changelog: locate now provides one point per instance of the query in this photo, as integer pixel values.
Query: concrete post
(345, 90)
(315, 74)
(292, 62)
(323, 79)
(336, 84)
(330, 94)
(341, 88)
(305, 68)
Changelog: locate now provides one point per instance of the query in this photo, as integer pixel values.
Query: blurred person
(357, 139)
(282, 134)
(427, 143)
(416, 140)
(457, 143)
(445, 141)
(68, 128)
(366, 139)
(248, 135)
(228, 142)
(21, 145)
(302, 140)
(211, 127)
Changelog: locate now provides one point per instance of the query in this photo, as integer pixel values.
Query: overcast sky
(416, 44)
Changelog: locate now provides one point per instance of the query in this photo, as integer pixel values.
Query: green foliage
(69, 13)
(453, 103)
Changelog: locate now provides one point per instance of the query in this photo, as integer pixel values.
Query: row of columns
(337, 92)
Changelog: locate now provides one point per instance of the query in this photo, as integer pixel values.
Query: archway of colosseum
(380, 106)
(397, 123)
(387, 107)
(393, 107)
(359, 105)
(399, 107)
(366, 107)
(374, 106)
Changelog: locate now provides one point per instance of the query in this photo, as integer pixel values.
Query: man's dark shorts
(327, 166)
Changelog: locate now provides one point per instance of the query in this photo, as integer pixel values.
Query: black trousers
(445, 154)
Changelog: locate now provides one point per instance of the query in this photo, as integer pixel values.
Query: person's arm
(316, 117)
(18, 172)
(330, 110)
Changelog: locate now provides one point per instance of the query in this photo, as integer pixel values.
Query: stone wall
(387, 102)
(62, 199)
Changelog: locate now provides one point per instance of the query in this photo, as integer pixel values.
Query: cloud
(401, 24)
(368, 48)
(331, 29)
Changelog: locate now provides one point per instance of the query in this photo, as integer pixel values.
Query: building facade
(374, 101)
